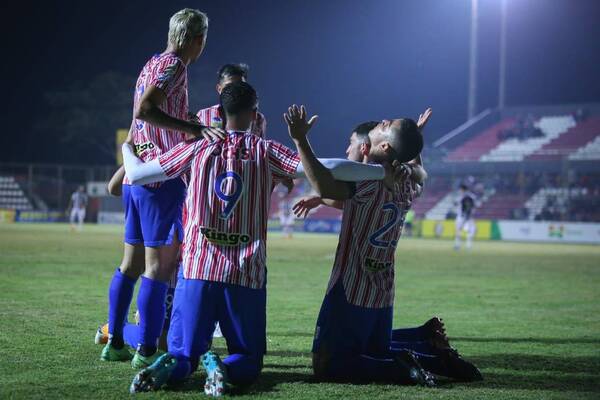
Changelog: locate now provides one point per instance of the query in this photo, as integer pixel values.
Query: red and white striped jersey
(212, 116)
(227, 204)
(167, 72)
(371, 227)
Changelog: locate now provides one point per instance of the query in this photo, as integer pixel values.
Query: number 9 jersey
(371, 227)
(227, 204)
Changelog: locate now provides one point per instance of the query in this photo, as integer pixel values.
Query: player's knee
(320, 365)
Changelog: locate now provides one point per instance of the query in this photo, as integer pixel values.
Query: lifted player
(153, 212)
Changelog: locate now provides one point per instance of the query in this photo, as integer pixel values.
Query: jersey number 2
(230, 199)
(375, 238)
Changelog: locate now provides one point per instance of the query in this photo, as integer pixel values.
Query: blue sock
(418, 347)
(120, 293)
(409, 334)
(243, 369)
(131, 334)
(151, 304)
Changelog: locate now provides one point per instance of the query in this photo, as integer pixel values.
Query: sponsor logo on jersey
(224, 238)
(142, 147)
(374, 265)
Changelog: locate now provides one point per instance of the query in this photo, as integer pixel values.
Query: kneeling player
(353, 337)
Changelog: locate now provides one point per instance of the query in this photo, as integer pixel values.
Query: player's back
(169, 73)
(227, 207)
(371, 227)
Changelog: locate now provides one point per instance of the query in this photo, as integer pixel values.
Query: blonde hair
(186, 24)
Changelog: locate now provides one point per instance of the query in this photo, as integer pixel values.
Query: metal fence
(49, 186)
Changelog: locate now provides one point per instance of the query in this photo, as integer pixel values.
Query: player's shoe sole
(101, 335)
(139, 361)
(216, 383)
(416, 373)
(154, 376)
(110, 353)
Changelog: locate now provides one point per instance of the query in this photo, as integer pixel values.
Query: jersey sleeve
(168, 74)
(282, 161)
(178, 160)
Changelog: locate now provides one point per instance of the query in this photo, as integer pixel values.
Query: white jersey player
(78, 204)
(465, 206)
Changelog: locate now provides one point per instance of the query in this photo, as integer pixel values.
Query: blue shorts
(153, 215)
(198, 305)
(346, 329)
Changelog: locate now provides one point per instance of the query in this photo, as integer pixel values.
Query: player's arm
(418, 173)
(305, 204)
(169, 165)
(320, 178)
(115, 185)
(346, 170)
(149, 111)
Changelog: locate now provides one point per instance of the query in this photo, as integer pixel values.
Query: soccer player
(77, 205)
(153, 213)
(214, 116)
(353, 337)
(465, 205)
(286, 216)
(223, 278)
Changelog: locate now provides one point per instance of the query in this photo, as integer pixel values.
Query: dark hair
(362, 130)
(408, 142)
(226, 70)
(463, 186)
(238, 97)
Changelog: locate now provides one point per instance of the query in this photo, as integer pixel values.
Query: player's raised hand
(396, 172)
(305, 204)
(295, 119)
(423, 119)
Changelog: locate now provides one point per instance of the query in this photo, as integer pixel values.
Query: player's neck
(181, 53)
(233, 124)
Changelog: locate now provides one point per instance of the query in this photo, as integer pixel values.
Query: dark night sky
(348, 60)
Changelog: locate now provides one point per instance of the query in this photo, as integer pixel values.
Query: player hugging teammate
(222, 178)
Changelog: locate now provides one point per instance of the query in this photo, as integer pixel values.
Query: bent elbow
(142, 110)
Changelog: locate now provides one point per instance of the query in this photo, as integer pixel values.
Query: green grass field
(527, 315)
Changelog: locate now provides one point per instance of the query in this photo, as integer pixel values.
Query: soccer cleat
(436, 333)
(216, 375)
(101, 335)
(415, 373)
(139, 361)
(110, 353)
(458, 368)
(154, 376)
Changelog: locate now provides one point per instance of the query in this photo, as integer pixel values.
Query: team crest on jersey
(216, 122)
(142, 147)
(224, 238)
(374, 265)
(167, 73)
